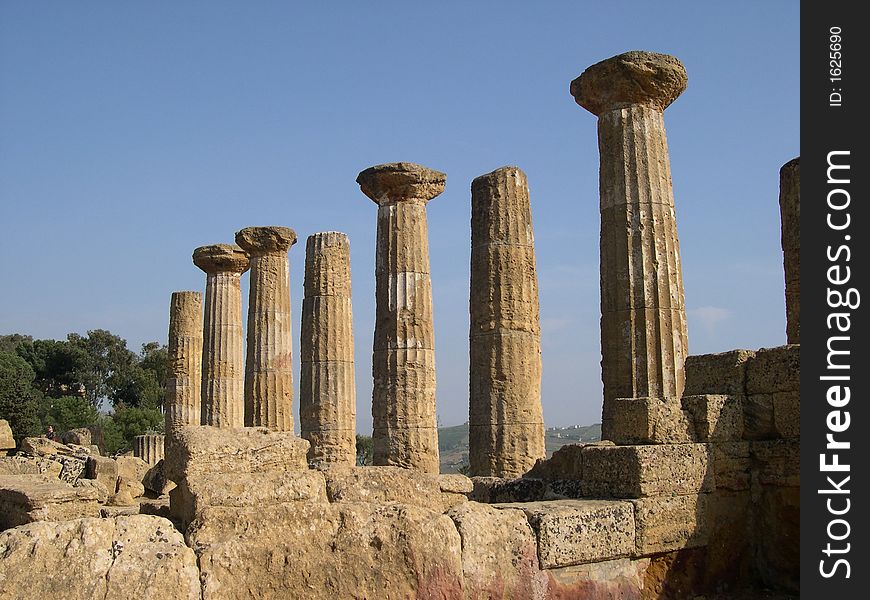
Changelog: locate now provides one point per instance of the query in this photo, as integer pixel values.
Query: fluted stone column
(268, 369)
(223, 359)
(184, 387)
(405, 430)
(149, 447)
(790, 212)
(506, 421)
(643, 316)
(327, 391)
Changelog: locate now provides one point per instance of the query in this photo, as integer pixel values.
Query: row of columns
(644, 341)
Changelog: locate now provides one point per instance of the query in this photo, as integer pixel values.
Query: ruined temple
(694, 489)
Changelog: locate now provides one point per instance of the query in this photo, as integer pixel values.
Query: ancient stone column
(327, 391)
(790, 213)
(506, 421)
(643, 316)
(148, 447)
(223, 359)
(268, 374)
(403, 363)
(184, 387)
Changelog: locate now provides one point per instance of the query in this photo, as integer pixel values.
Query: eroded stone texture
(184, 386)
(327, 397)
(326, 551)
(790, 213)
(506, 421)
(148, 447)
(572, 532)
(268, 369)
(7, 442)
(403, 363)
(499, 553)
(383, 484)
(137, 556)
(666, 523)
(29, 498)
(223, 359)
(640, 471)
(643, 313)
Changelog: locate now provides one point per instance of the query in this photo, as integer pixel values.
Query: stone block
(715, 417)
(7, 442)
(496, 489)
(787, 413)
(197, 450)
(132, 468)
(778, 542)
(777, 463)
(455, 483)
(758, 421)
(619, 579)
(194, 495)
(566, 463)
(155, 479)
(102, 494)
(667, 523)
(321, 551)
(572, 532)
(732, 463)
(646, 421)
(729, 550)
(104, 470)
(774, 370)
(21, 464)
(722, 373)
(639, 471)
(137, 556)
(499, 553)
(389, 484)
(79, 437)
(29, 498)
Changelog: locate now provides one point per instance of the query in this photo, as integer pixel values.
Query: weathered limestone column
(790, 213)
(403, 362)
(643, 316)
(506, 421)
(184, 387)
(327, 394)
(149, 447)
(268, 369)
(223, 359)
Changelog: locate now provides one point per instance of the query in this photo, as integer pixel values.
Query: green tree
(9, 343)
(109, 362)
(18, 399)
(364, 450)
(132, 421)
(69, 412)
(61, 368)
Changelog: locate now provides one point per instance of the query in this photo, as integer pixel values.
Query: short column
(184, 386)
(268, 369)
(327, 391)
(223, 359)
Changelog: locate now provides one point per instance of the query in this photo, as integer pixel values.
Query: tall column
(327, 391)
(644, 340)
(268, 369)
(506, 421)
(790, 213)
(184, 387)
(223, 359)
(403, 362)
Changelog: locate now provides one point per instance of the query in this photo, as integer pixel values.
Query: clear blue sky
(130, 133)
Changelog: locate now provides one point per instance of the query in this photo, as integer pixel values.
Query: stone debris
(7, 442)
(29, 498)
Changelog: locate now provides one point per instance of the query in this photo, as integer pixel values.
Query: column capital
(637, 77)
(396, 182)
(218, 258)
(265, 240)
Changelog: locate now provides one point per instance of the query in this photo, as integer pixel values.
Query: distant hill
(453, 442)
